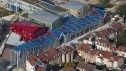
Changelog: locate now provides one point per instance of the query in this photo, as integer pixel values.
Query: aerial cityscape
(62, 35)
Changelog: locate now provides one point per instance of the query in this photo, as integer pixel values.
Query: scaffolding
(69, 30)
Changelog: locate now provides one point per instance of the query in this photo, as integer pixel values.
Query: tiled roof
(32, 60)
(104, 33)
(41, 69)
(53, 53)
(118, 26)
(49, 55)
(84, 47)
(86, 66)
(121, 48)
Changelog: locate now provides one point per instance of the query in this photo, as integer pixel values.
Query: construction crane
(2, 46)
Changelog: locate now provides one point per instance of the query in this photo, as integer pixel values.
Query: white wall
(29, 67)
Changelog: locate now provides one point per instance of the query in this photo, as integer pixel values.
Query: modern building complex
(71, 29)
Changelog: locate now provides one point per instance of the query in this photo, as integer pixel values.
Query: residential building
(45, 18)
(31, 64)
(105, 38)
(109, 59)
(51, 57)
(87, 53)
(85, 67)
(100, 57)
(121, 51)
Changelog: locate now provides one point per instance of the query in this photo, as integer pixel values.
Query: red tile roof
(84, 47)
(106, 54)
(32, 60)
(121, 48)
(86, 66)
(117, 26)
(41, 69)
(49, 55)
(104, 33)
(54, 53)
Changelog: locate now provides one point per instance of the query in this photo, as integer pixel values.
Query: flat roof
(4, 12)
(45, 5)
(14, 39)
(74, 5)
(45, 16)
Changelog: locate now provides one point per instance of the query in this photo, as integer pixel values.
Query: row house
(121, 51)
(105, 45)
(100, 57)
(108, 59)
(107, 33)
(86, 53)
(85, 67)
(105, 38)
(51, 57)
(21, 5)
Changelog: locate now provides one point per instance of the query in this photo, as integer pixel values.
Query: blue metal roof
(72, 25)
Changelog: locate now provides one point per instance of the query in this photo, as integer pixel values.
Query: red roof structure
(28, 30)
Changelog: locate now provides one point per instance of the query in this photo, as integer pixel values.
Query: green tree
(104, 1)
(122, 10)
(69, 66)
(122, 38)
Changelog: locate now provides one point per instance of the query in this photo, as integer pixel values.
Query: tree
(122, 38)
(121, 10)
(69, 66)
(104, 2)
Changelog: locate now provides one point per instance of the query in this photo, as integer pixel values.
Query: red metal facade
(28, 30)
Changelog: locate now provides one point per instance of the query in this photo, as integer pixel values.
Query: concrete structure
(45, 18)
(77, 8)
(18, 69)
(32, 6)
(14, 40)
(19, 5)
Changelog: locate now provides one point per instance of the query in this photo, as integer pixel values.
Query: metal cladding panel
(73, 25)
(28, 30)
